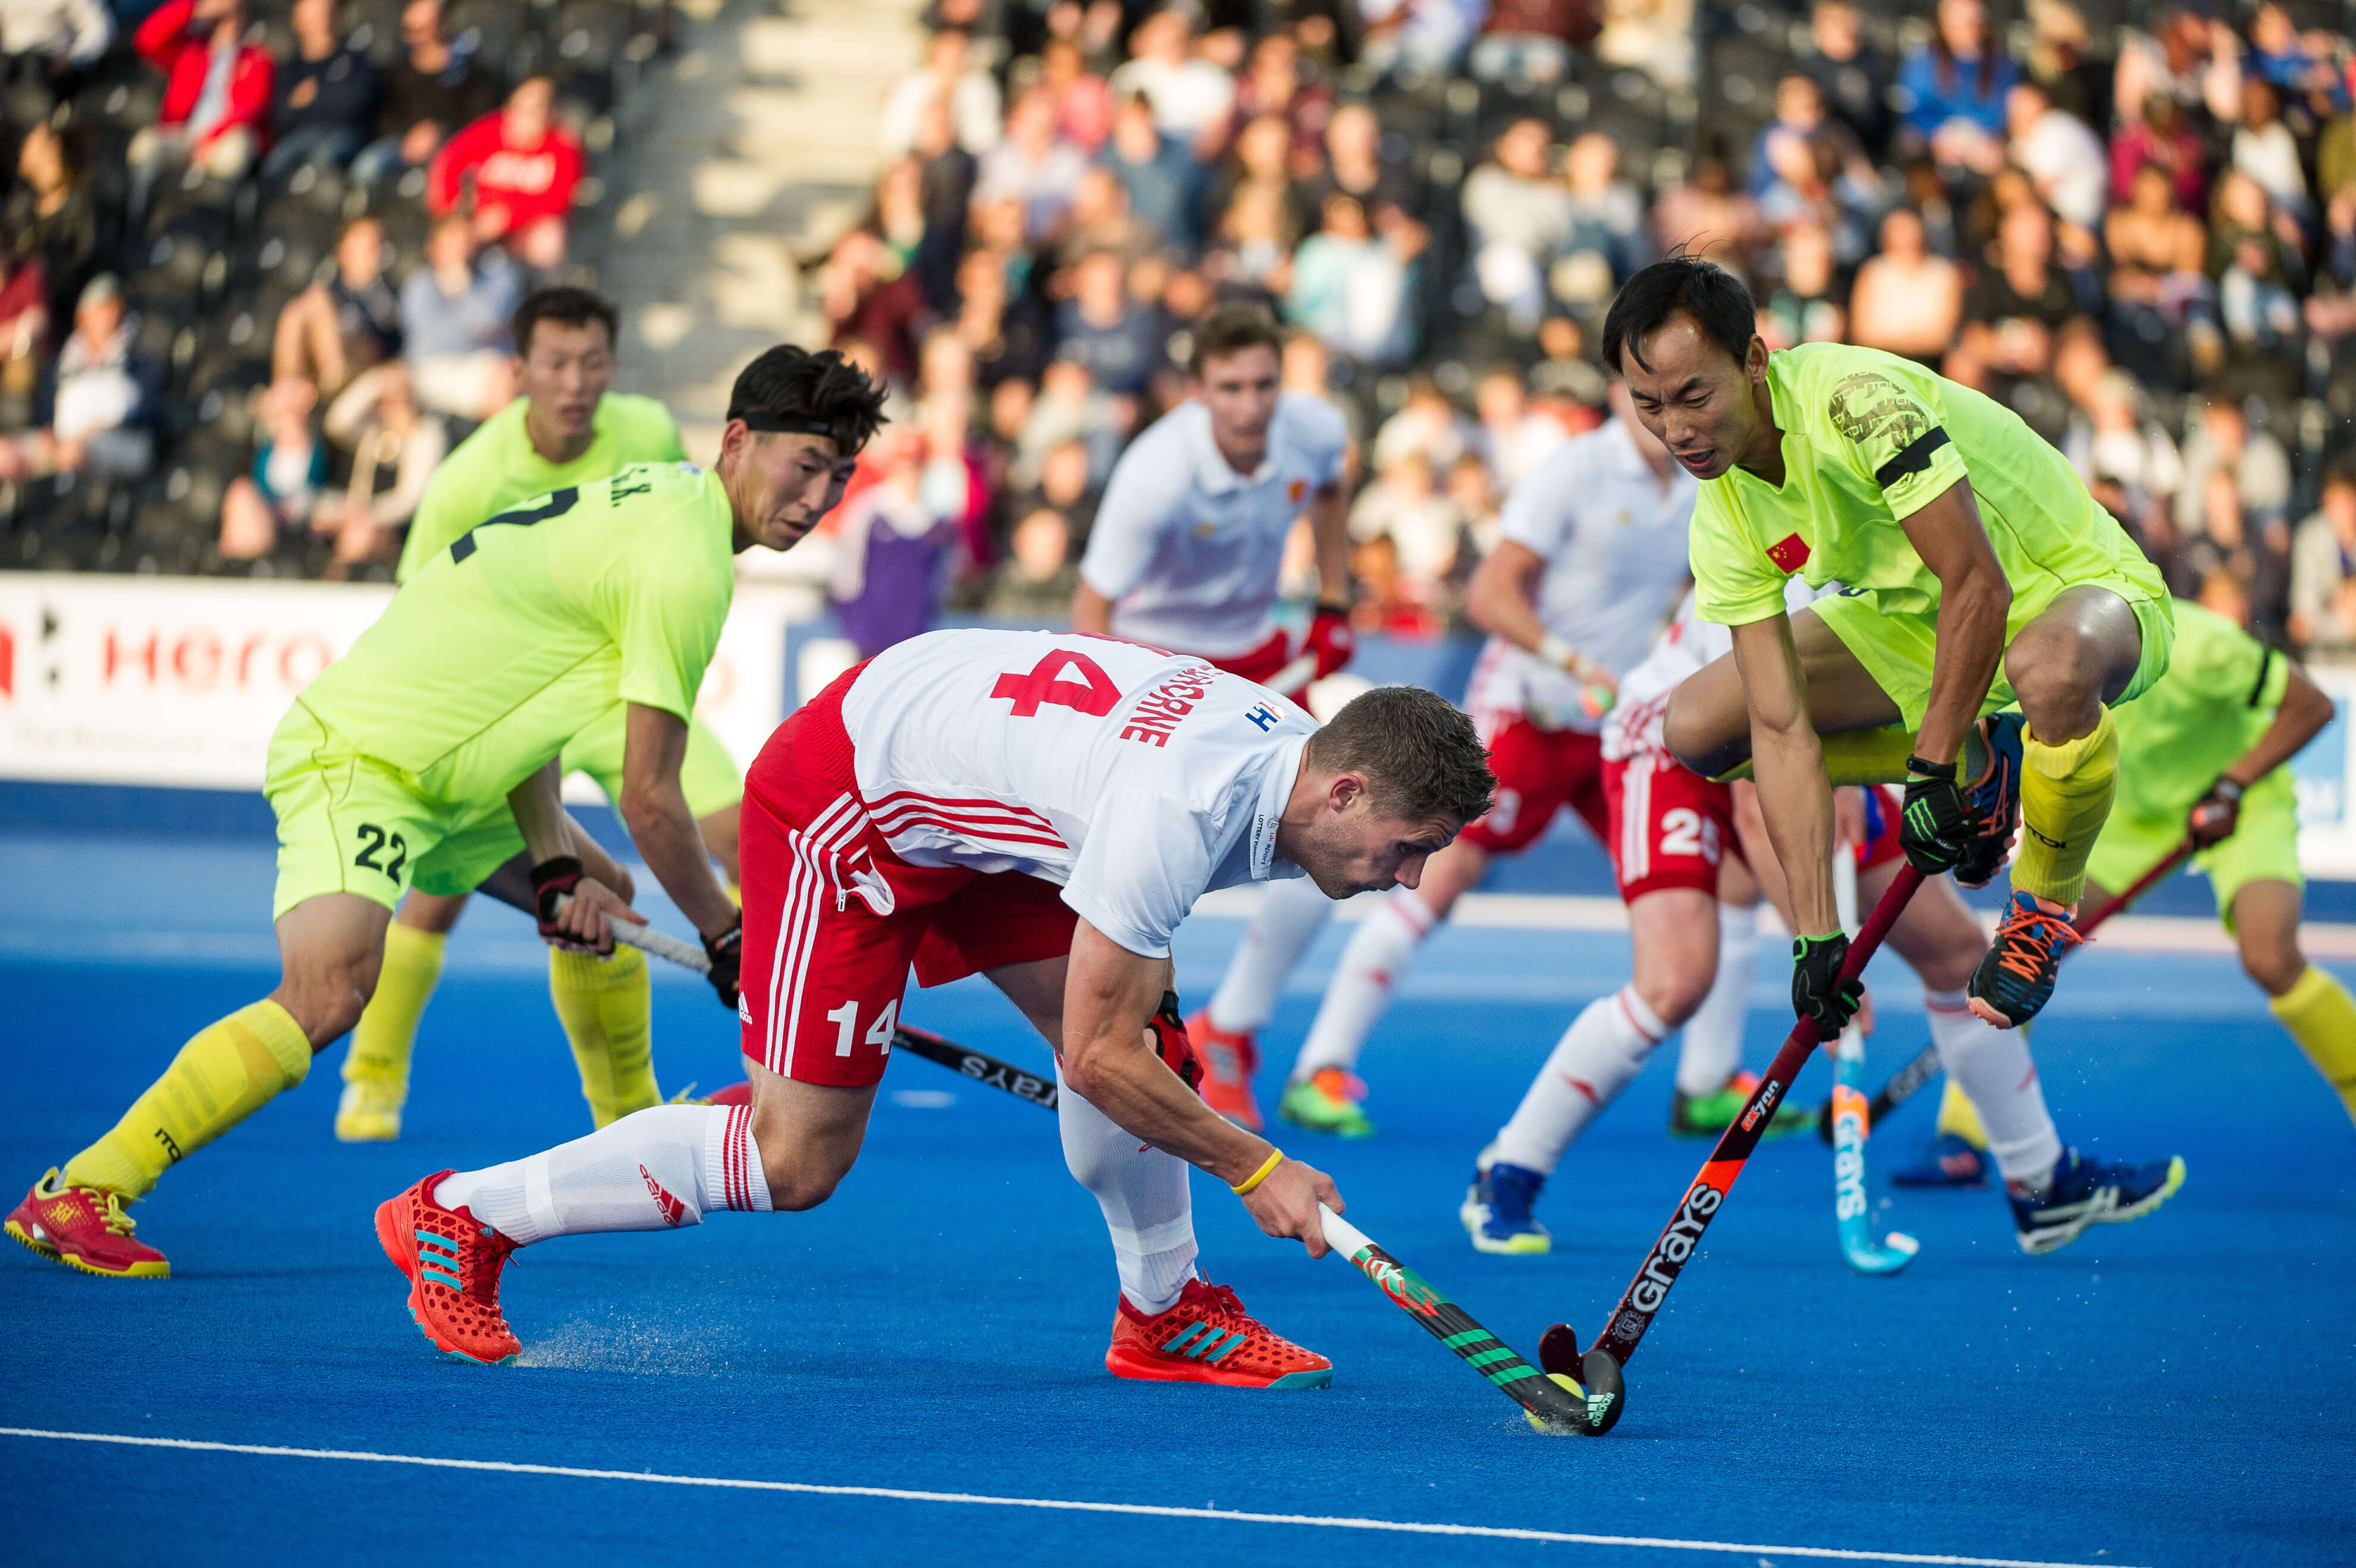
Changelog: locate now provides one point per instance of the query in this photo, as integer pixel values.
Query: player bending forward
(428, 754)
(1593, 555)
(2205, 753)
(1187, 552)
(566, 429)
(1043, 808)
(1671, 835)
(1965, 543)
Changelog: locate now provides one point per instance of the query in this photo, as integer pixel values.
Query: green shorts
(707, 776)
(1896, 648)
(2263, 848)
(349, 823)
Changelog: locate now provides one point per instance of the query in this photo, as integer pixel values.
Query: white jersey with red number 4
(1612, 536)
(1188, 550)
(1136, 780)
(1685, 645)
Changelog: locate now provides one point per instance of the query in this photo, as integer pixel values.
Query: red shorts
(834, 920)
(1261, 664)
(1539, 771)
(1670, 826)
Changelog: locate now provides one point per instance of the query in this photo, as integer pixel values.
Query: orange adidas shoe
(1208, 1337)
(1229, 1059)
(452, 1263)
(84, 1227)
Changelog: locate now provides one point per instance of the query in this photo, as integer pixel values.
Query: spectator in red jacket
(524, 167)
(217, 89)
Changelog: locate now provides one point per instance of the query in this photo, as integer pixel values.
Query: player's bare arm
(660, 824)
(1974, 599)
(1106, 991)
(1789, 764)
(2304, 712)
(1091, 611)
(549, 834)
(1499, 600)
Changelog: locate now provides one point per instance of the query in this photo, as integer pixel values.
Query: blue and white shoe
(2088, 1192)
(1496, 1211)
(1993, 802)
(1948, 1160)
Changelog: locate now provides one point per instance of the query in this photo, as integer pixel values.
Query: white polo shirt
(1188, 550)
(1613, 536)
(1136, 780)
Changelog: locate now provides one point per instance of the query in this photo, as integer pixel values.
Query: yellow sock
(388, 1026)
(223, 1075)
(607, 1008)
(2065, 796)
(2321, 1017)
(1959, 1116)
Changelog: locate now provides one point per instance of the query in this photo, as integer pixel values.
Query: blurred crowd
(2133, 224)
(260, 257)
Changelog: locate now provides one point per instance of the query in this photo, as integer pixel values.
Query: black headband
(781, 424)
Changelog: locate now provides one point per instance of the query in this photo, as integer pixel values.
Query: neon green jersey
(534, 622)
(1868, 440)
(2218, 697)
(498, 466)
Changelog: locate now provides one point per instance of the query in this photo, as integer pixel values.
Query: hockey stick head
(1596, 1374)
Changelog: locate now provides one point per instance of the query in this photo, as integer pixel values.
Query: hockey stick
(1559, 1348)
(1866, 1255)
(977, 1064)
(1903, 1083)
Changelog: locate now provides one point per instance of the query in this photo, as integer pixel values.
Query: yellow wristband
(1275, 1158)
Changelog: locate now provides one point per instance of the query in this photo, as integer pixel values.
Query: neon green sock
(607, 1008)
(226, 1072)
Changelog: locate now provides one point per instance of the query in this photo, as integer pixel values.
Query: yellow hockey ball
(1569, 1385)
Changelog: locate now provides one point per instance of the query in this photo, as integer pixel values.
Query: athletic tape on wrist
(1275, 1158)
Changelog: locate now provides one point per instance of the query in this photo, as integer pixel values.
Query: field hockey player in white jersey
(1043, 808)
(1187, 552)
(1591, 562)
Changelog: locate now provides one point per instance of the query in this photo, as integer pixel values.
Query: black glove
(2216, 814)
(552, 880)
(1934, 830)
(1176, 1047)
(726, 952)
(1819, 994)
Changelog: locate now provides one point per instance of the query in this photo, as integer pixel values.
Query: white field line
(1063, 1505)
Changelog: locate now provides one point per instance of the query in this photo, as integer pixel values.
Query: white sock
(1291, 913)
(1599, 1055)
(1381, 951)
(1711, 1051)
(659, 1169)
(1993, 1068)
(1146, 1203)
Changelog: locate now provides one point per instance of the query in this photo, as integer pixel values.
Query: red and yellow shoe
(1208, 1337)
(452, 1263)
(84, 1227)
(1229, 1059)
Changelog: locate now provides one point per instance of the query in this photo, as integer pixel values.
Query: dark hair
(1230, 330)
(823, 389)
(566, 307)
(1419, 753)
(1714, 297)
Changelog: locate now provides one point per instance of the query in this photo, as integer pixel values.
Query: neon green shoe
(369, 1112)
(1327, 1102)
(1707, 1115)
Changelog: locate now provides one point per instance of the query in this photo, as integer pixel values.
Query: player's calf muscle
(330, 949)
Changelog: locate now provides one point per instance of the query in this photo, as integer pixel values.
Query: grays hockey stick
(1850, 1205)
(1681, 1238)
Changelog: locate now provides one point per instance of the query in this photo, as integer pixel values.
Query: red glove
(1170, 1039)
(1331, 638)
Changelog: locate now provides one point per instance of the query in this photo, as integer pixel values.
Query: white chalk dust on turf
(1058, 1505)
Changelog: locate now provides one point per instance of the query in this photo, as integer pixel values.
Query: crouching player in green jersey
(566, 428)
(424, 754)
(2205, 755)
(1976, 573)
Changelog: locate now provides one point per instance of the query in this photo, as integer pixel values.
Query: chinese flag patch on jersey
(1298, 488)
(1789, 554)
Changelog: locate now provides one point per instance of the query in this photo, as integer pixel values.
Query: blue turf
(2174, 1391)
